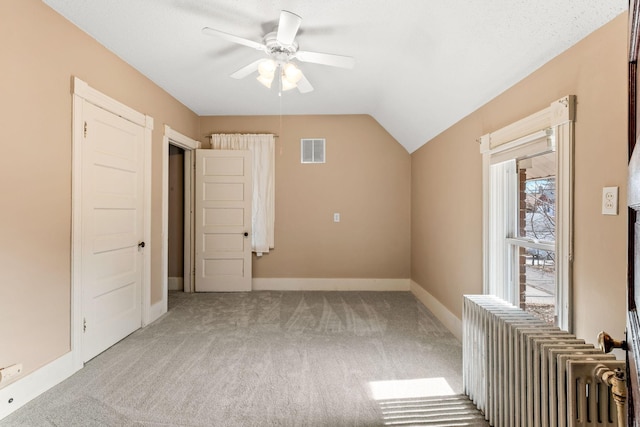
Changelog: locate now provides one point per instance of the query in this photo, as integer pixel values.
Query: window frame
(553, 128)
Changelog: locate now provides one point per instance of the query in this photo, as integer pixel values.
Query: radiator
(519, 371)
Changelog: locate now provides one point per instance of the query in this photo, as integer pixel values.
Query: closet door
(223, 221)
(112, 229)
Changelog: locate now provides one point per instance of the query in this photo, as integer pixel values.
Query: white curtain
(262, 147)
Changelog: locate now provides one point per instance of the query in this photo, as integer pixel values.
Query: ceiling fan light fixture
(265, 80)
(286, 83)
(267, 67)
(292, 73)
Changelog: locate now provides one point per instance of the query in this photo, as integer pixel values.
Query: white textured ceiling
(421, 65)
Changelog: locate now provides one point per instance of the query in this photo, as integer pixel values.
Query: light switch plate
(610, 201)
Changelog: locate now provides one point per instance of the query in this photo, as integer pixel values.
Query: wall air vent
(312, 150)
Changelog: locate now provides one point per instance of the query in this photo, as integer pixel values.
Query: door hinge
(84, 324)
(85, 129)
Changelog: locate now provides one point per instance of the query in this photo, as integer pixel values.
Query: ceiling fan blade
(246, 70)
(234, 39)
(288, 27)
(304, 86)
(326, 59)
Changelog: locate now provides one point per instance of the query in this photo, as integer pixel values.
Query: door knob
(141, 245)
(607, 343)
(246, 234)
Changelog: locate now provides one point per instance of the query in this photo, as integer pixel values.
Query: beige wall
(366, 179)
(40, 53)
(446, 256)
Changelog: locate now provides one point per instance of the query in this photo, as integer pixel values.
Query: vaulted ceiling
(421, 65)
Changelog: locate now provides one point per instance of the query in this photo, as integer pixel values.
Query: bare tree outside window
(537, 228)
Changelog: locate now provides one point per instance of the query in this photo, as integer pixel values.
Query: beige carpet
(270, 358)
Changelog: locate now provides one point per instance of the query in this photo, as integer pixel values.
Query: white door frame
(83, 92)
(188, 145)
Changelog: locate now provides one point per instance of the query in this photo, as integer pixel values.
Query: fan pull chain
(280, 131)
(279, 77)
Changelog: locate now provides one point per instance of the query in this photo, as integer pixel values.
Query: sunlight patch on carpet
(405, 389)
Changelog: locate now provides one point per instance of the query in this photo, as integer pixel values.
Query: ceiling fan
(281, 48)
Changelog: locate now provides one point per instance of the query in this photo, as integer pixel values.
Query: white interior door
(112, 228)
(223, 220)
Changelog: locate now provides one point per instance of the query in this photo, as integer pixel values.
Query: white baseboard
(156, 310)
(176, 283)
(448, 319)
(303, 284)
(31, 386)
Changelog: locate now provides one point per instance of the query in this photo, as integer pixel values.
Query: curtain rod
(238, 133)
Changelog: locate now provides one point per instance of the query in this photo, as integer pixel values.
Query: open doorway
(176, 213)
(173, 141)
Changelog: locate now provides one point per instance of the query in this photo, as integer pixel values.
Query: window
(532, 239)
(535, 240)
(527, 195)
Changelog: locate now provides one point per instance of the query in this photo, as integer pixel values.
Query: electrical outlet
(336, 217)
(610, 201)
(10, 372)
